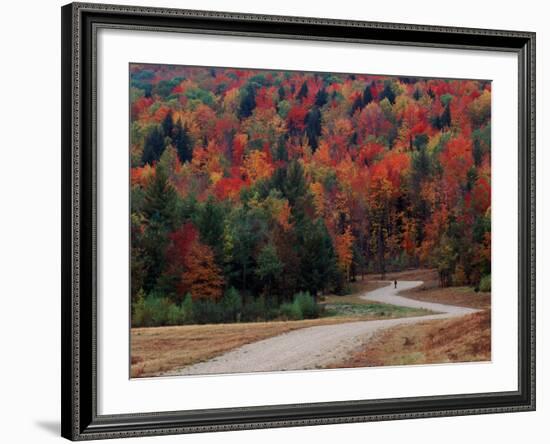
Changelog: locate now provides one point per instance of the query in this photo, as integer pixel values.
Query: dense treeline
(265, 184)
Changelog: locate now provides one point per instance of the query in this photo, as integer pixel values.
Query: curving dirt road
(316, 347)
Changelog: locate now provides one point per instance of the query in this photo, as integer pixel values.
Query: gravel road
(315, 347)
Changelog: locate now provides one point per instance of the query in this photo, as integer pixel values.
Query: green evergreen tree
(367, 95)
(471, 178)
(445, 119)
(248, 102)
(210, 220)
(420, 167)
(321, 97)
(168, 124)
(246, 231)
(356, 105)
(302, 94)
(268, 266)
(313, 127)
(160, 211)
(318, 265)
(282, 152)
(153, 146)
(387, 93)
(160, 200)
(282, 93)
(182, 142)
(232, 305)
(294, 186)
(477, 153)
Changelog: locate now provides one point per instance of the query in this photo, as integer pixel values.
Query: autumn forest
(254, 192)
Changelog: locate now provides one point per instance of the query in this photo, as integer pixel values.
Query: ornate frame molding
(80, 22)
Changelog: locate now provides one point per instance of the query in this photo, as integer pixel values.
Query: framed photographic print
(281, 221)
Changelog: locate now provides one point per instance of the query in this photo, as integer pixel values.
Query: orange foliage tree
(344, 250)
(202, 277)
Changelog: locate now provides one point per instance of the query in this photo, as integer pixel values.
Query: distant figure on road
(395, 284)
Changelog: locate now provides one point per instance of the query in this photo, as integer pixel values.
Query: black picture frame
(80, 420)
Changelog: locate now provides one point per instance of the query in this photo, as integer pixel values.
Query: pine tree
(445, 118)
(159, 211)
(388, 93)
(182, 142)
(321, 97)
(282, 93)
(160, 200)
(318, 265)
(477, 153)
(153, 146)
(302, 94)
(269, 266)
(294, 186)
(248, 102)
(209, 219)
(246, 231)
(282, 152)
(168, 124)
(367, 95)
(356, 105)
(313, 127)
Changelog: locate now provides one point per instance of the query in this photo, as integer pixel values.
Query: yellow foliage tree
(318, 192)
(257, 166)
(344, 250)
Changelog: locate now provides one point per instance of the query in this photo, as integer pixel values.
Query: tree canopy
(271, 183)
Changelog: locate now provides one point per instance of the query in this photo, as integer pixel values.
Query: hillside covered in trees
(249, 186)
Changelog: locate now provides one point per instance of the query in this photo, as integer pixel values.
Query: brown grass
(465, 339)
(159, 349)
(460, 296)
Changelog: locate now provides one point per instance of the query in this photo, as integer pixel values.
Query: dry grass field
(465, 339)
(461, 296)
(159, 349)
(456, 340)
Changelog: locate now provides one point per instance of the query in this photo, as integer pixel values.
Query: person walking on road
(395, 284)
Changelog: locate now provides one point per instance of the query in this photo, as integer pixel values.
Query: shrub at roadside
(254, 310)
(207, 312)
(291, 312)
(309, 308)
(485, 283)
(155, 311)
(303, 307)
(232, 305)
